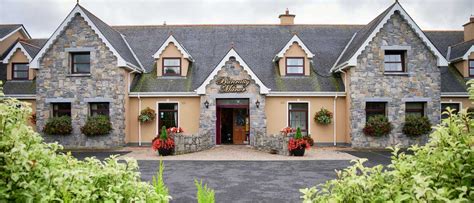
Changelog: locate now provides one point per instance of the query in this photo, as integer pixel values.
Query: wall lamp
(206, 104)
(257, 103)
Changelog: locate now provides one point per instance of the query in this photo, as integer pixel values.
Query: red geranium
(298, 144)
(288, 130)
(175, 130)
(163, 144)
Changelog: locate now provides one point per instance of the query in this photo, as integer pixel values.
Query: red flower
(298, 144)
(162, 144)
(288, 130)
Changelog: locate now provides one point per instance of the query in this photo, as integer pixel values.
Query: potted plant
(297, 145)
(147, 115)
(58, 126)
(309, 139)
(163, 144)
(416, 126)
(287, 130)
(97, 125)
(323, 117)
(377, 126)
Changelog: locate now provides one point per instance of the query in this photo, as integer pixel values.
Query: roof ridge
(22, 41)
(463, 42)
(99, 19)
(209, 25)
(443, 30)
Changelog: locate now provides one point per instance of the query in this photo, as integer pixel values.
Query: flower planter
(298, 152)
(165, 152)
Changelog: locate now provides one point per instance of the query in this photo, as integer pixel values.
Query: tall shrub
(34, 171)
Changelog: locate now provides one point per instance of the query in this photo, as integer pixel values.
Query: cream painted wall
(465, 102)
(276, 109)
(5, 44)
(172, 51)
(463, 66)
(18, 57)
(188, 116)
(295, 50)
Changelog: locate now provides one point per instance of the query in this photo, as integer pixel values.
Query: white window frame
(158, 112)
(309, 113)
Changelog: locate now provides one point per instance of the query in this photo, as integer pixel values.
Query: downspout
(335, 120)
(139, 123)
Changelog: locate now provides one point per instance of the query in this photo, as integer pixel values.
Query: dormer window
(471, 68)
(171, 66)
(20, 71)
(80, 63)
(394, 61)
(294, 66)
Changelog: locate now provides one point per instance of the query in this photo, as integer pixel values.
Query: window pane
(294, 61)
(222, 102)
(61, 109)
(298, 106)
(172, 70)
(294, 70)
(171, 62)
(20, 74)
(471, 63)
(471, 71)
(454, 106)
(23, 67)
(81, 57)
(99, 109)
(168, 106)
(82, 68)
(168, 115)
(415, 108)
(298, 115)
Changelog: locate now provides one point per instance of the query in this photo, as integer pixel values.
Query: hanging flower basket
(147, 115)
(323, 117)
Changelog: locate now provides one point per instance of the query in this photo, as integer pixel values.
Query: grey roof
(256, 44)
(33, 46)
(452, 80)
(443, 39)
(458, 50)
(6, 29)
(19, 87)
(362, 35)
(114, 37)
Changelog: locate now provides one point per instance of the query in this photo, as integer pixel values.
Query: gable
(294, 40)
(177, 45)
(15, 51)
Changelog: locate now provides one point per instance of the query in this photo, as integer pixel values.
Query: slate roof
(443, 39)
(114, 37)
(19, 87)
(6, 29)
(33, 46)
(458, 50)
(452, 80)
(256, 44)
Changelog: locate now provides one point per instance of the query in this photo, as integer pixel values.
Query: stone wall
(192, 143)
(272, 143)
(368, 82)
(106, 83)
(257, 116)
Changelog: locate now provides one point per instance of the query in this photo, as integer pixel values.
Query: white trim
(305, 94)
(396, 47)
(173, 40)
(294, 39)
(455, 94)
(343, 51)
(158, 114)
(397, 7)
(77, 9)
(15, 48)
(21, 96)
(163, 94)
(466, 55)
(232, 53)
(21, 28)
(133, 53)
(309, 113)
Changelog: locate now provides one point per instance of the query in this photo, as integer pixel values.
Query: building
(231, 83)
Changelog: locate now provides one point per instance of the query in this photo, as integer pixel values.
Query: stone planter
(297, 152)
(165, 152)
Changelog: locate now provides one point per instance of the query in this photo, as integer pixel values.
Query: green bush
(377, 126)
(204, 194)
(298, 134)
(97, 125)
(440, 171)
(34, 171)
(416, 126)
(58, 126)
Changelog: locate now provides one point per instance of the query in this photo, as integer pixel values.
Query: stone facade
(106, 83)
(272, 143)
(368, 82)
(192, 143)
(257, 116)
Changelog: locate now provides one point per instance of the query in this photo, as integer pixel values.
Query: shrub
(97, 125)
(298, 134)
(323, 117)
(147, 115)
(58, 126)
(377, 126)
(34, 171)
(204, 194)
(416, 125)
(309, 139)
(163, 141)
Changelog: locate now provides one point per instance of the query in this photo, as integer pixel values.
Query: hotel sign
(229, 85)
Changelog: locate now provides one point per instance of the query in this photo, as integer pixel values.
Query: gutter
(455, 94)
(21, 96)
(163, 94)
(308, 94)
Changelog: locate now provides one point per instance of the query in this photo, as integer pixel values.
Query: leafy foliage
(32, 118)
(298, 134)
(323, 117)
(97, 125)
(58, 126)
(164, 133)
(440, 171)
(34, 171)
(297, 144)
(159, 184)
(309, 139)
(204, 194)
(416, 125)
(377, 126)
(163, 141)
(147, 115)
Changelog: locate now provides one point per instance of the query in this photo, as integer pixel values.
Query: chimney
(287, 18)
(469, 29)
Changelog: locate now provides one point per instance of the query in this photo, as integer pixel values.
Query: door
(239, 126)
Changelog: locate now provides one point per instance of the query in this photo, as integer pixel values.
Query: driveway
(247, 181)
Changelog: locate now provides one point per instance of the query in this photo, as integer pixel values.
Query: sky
(42, 17)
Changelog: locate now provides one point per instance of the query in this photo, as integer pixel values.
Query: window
(80, 63)
(168, 115)
(99, 108)
(61, 109)
(471, 68)
(394, 61)
(374, 108)
(20, 71)
(171, 66)
(294, 66)
(455, 106)
(298, 116)
(415, 108)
